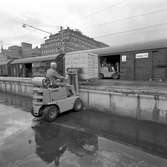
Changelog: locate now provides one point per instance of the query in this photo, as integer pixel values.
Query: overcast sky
(110, 21)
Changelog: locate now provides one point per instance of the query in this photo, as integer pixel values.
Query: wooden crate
(86, 61)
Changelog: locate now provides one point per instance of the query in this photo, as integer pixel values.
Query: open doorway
(28, 70)
(109, 67)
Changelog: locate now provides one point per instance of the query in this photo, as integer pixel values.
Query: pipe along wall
(139, 106)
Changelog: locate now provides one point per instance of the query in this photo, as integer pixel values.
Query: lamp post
(61, 32)
(27, 25)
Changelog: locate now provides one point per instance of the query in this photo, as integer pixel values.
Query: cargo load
(87, 62)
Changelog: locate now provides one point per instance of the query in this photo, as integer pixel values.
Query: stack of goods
(87, 62)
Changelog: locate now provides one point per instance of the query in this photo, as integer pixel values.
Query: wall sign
(123, 58)
(141, 55)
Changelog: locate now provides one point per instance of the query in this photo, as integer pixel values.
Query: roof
(150, 45)
(5, 62)
(35, 59)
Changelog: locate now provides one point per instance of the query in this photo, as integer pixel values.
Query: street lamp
(27, 25)
(61, 32)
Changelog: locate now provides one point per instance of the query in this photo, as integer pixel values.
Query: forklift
(53, 98)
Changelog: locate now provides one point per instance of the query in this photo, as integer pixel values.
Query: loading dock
(141, 61)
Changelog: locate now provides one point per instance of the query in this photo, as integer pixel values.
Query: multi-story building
(23, 51)
(3, 57)
(36, 51)
(13, 52)
(67, 40)
(3, 63)
(26, 49)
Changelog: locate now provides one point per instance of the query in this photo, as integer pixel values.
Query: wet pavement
(85, 139)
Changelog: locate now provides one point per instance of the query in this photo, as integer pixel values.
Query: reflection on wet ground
(54, 145)
(145, 135)
(22, 102)
(85, 139)
(56, 142)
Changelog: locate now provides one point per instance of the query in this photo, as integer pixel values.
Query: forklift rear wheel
(50, 113)
(78, 105)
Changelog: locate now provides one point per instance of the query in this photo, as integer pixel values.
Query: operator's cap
(53, 65)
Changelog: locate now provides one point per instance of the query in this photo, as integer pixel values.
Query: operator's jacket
(53, 75)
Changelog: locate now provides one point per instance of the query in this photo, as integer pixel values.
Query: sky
(114, 22)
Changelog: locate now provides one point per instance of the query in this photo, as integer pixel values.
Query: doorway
(28, 70)
(109, 67)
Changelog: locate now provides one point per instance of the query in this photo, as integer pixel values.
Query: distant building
(3, 57)
(26, 50)
(3, 63)
(68, 40)
(36, 51)
(23, 51)
(13, 52)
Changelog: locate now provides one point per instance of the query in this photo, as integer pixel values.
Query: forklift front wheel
(78, 105)
(115, 76)
(50, 113)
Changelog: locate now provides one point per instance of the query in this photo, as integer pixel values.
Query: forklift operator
(54, 76)
(52, 73)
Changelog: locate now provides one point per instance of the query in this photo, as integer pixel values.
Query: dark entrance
(109, 66)
(28, 70)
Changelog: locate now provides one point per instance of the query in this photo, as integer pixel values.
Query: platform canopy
(35, 59)
(5, 62)
(127, 47)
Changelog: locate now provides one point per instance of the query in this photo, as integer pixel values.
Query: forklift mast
(73, 78)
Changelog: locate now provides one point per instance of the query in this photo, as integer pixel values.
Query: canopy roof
(117, 49)
(35, 59)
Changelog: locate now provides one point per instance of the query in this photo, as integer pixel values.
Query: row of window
(50, 51)
(81, 45)
(84, 39)
(51, 45)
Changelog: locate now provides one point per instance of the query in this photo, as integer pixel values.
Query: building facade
(3, 57)
(23, 51)
(68, 40)
(13, 52)
(26, 49)
(140, 62)
(36, 51)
